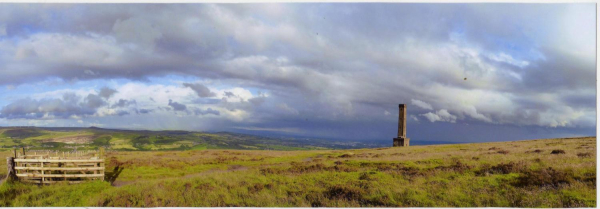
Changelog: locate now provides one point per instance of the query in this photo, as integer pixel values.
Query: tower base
(401, 142)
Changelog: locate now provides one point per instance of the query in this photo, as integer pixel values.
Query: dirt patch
(72, 139)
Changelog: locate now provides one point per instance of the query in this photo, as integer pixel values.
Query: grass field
(502, 174)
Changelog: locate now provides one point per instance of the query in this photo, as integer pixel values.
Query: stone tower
(401, 140)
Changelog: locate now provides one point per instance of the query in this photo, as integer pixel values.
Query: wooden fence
(47, 167)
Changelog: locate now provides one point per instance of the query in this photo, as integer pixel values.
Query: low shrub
(346, 155)
(544, 177)
(504, 152)
(501, 168)
(584, 155)
(535, 151)
(265, 171)
(256, 188)
(368, 176)
(457, 166)
(557, 151)
(345, 192)
(316, 199)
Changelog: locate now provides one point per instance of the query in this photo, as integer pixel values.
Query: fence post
(10, 162)
(101, 155)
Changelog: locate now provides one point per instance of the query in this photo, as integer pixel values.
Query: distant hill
(66, 138)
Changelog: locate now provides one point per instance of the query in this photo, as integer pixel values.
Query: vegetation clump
(504, 152)
(502, 168)
(535, 151)
(457, 166)
(584, 154)
(545, 177)
(345, 192)
(557, 151)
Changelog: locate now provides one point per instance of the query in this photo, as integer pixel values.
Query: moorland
(531, 173)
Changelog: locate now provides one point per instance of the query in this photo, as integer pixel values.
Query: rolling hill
(143, 140)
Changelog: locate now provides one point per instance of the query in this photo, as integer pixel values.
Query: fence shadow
(112, 176)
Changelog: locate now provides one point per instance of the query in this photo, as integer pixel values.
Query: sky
(467, 72)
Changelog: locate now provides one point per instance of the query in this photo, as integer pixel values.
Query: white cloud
(239, 94)
(421, 104)
(414, 118)
(441, 115)
(506, 58)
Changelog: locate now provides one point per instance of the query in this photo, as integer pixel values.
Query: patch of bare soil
(72, 139)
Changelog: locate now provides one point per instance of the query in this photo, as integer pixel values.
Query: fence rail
(47, 167)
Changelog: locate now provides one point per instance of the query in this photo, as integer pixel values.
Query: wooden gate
(47, 167)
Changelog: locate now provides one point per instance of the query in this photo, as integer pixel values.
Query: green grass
(466, 175)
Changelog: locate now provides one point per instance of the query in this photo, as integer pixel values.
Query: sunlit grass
(500, 174)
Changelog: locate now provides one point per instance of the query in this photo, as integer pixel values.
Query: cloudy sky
(331, 71)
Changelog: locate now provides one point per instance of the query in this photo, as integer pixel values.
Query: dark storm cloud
(229, 94)
(561, 70)
(94, 101)
(52, 108)
(177, 106)
(123, 103)
(143, 111)
(70, 105)
(122, 113)
(206, 112)
(201, 90)
(106, 92)
(579, 101)
(257, 100)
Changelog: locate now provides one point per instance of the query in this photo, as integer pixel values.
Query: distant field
(127, 140)
(502, 174)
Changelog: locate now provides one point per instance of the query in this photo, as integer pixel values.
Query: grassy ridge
(503, 174)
